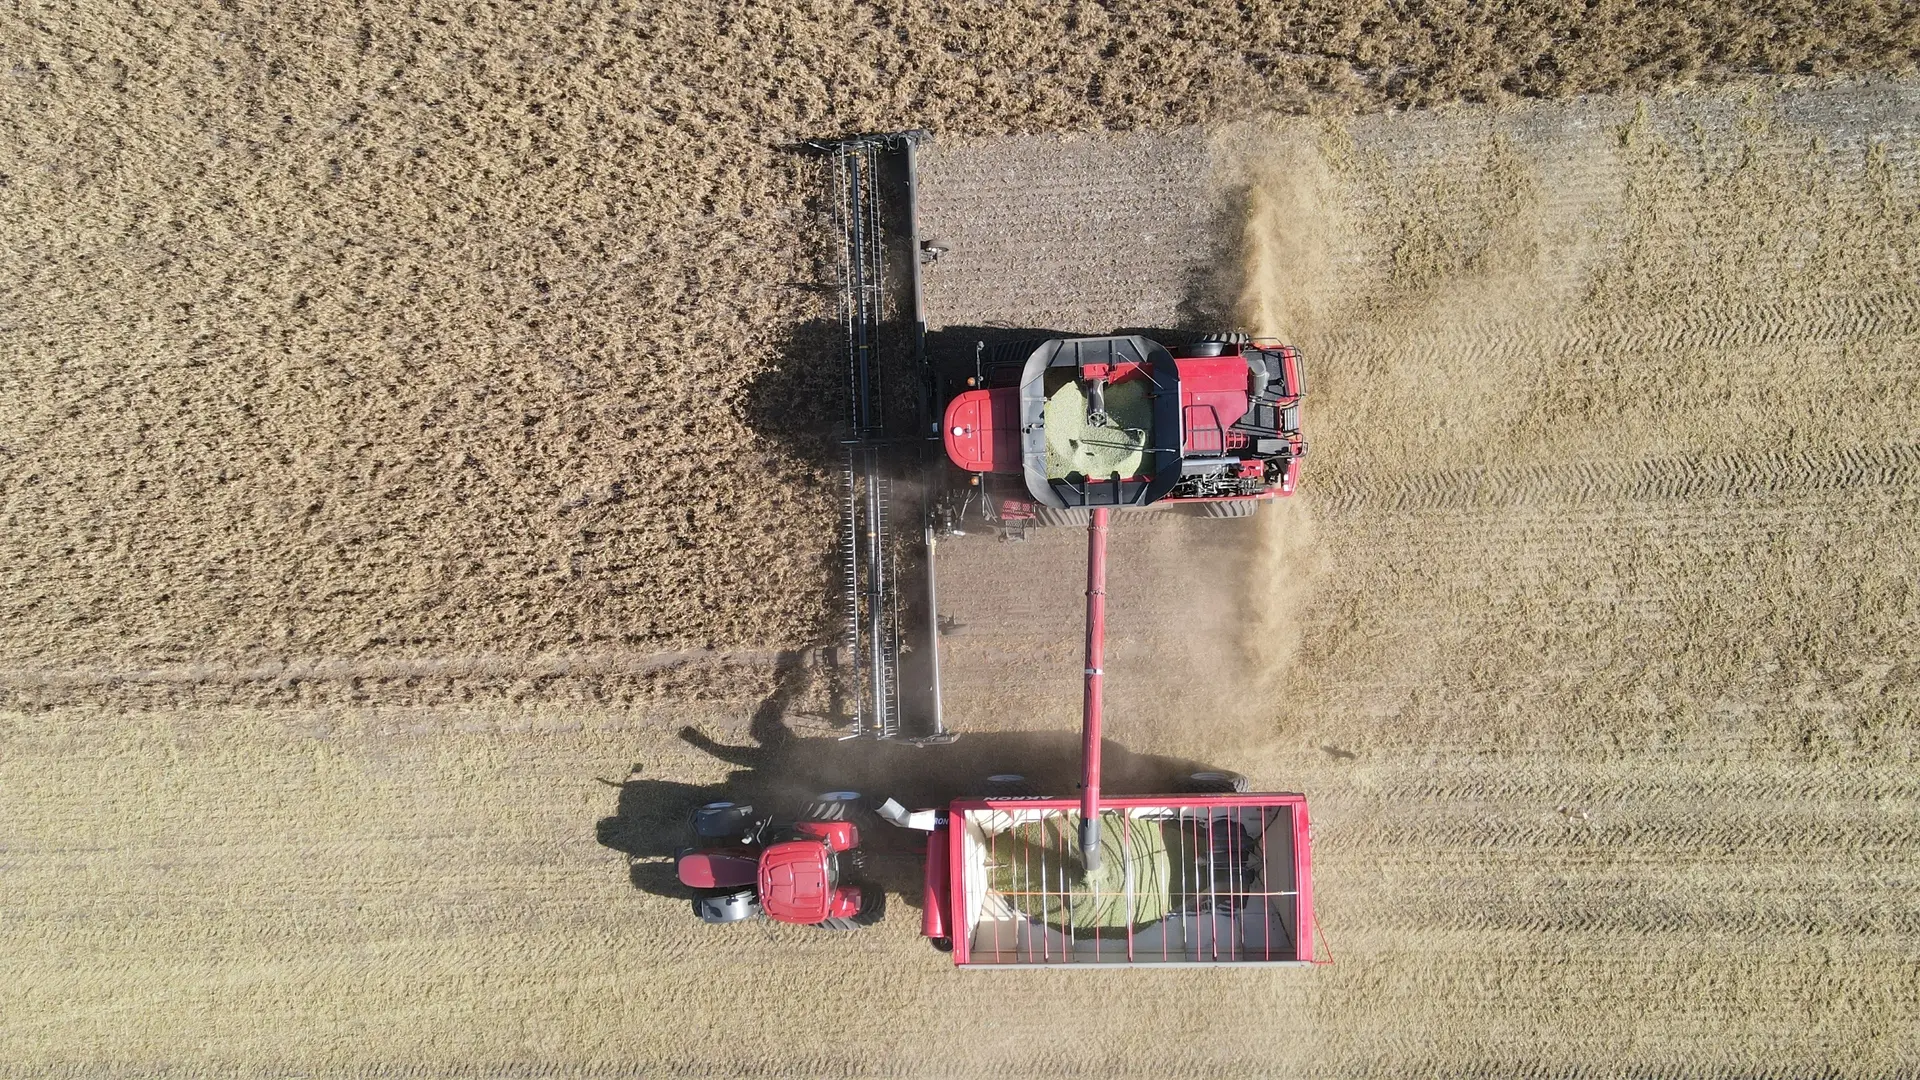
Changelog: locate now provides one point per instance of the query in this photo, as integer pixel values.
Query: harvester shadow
(781, 772)
(799, 404)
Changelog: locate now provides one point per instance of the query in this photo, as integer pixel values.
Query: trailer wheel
(873, 908)
(1075, 516)
(1214, 782)
(1007, 786)
(722, 820)
(942, 944)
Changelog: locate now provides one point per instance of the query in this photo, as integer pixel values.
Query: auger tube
(1090, 716)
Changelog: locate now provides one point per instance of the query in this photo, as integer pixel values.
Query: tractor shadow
(780, 772)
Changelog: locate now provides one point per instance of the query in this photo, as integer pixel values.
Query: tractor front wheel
(722, 820)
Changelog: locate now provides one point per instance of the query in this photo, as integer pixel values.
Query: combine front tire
(1219, 343)
(1214, 782)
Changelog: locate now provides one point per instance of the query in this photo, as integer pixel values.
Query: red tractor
(803, 871)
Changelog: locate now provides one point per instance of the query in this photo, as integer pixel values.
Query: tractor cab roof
(797, 881)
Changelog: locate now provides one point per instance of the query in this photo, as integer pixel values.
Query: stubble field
(384, 491)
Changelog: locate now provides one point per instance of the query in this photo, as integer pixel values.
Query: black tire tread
(1053, 516)
(1223, 783)
(873, 908)
(1232, 508)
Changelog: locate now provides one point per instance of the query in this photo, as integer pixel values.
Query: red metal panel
(957, 892)
(717, 869)
(1303, 881)
(794, 883)
(1096, 656)
(934, 888)
(839, 835)
(1209, 374)
(982, 431)
(1213, 397)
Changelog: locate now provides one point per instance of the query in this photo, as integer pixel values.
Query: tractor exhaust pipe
(1090, 715)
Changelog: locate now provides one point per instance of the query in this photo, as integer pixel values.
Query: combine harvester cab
(1212, 879)
(1052, 429)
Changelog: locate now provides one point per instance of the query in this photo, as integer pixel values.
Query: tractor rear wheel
(730, 907)
(1215, 782)
(836, 806)
(873, 908)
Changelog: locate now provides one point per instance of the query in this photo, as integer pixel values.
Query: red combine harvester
(1053, 430)
(1056, 431)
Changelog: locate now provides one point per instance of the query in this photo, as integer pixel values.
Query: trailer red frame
(1268, 919)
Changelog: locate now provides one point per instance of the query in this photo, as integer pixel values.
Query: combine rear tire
(1048, 515)
(1214, 782)
(1231, 508)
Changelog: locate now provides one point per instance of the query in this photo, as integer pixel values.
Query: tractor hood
(797, 881)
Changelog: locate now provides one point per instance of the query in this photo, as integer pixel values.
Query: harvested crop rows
(1594, 627)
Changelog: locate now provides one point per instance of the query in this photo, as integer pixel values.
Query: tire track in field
(1679, 479)
(1880, 313)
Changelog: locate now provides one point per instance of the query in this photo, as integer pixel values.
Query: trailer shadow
(779, 772)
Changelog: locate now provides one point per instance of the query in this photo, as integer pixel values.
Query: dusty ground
(381, 480)
(1594, 624)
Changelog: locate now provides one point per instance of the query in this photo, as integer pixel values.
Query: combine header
(889, 421)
